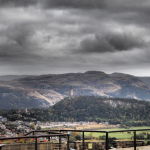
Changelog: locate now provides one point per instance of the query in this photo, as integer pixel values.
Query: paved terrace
(138, 148)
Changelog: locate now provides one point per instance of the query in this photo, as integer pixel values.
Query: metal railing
(36, 137)
(106, 135)
(36, 134)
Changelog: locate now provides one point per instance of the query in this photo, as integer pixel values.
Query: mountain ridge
(47, 90)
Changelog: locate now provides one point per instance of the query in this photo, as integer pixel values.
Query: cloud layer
(56, 3)
(56, 36)
(111, 42)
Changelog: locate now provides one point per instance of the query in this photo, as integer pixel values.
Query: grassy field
(119, 135)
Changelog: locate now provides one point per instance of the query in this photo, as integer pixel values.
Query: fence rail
(36, 137)
(106, 135)
(59, 134)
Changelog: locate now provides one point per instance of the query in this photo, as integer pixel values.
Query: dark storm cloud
(20, 34)
(121, 5)
(37, 36)
(17, 44)
(74, 3)
(17, 2)
(56, 3)
(110, 42)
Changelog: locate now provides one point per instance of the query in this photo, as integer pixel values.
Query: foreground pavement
(138, 148)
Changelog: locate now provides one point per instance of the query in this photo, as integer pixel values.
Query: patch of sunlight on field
(96, 134)
(121, 135)
(118, 135)
(131, 128)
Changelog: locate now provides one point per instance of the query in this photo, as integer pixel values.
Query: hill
(11, 77)
(47, 90)
(102, 109)
(146, 80)
(89, 108)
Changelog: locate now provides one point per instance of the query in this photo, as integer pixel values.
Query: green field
(118, 135)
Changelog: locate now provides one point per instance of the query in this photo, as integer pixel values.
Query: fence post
(68, 142)
(36, 144)
(134, 140)
(33, 133)
(83, 142)
(49, 138)
(107, 142)
(59, 142)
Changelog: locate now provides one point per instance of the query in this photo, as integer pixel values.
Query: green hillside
(115, 111)
(102, 109)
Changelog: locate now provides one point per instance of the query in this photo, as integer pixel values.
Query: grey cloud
(17, 2)
(18, 43)
(56, 3)
(59, 28)
(75, 3)
(20, 34)
(111, 42)
(121, 5)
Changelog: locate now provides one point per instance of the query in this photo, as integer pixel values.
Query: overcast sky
(59, 36)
